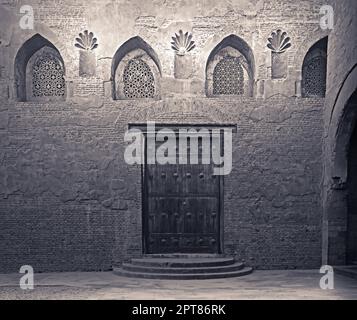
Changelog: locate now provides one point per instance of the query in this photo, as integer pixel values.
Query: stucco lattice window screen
(315, 77)
(138, 80)
(48, 78)
(228, 77)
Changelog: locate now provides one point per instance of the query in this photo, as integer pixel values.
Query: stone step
(185, 270)
(182, 262)
(184, 255)
(180, 276)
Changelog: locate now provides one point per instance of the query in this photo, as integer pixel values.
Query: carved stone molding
(182, 44)
(279, 42)
(87, 43)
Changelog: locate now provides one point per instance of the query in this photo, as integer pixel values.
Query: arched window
(138, 80)
(314, 70)
(230, 69)
(39, 71)
(136, 71)
(228, 77)
(45, 76)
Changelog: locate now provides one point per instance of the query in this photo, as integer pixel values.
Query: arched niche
(342, 122)
(314, 70)
(136, 71)
(230, 69)
(337, 218)
(39, 71)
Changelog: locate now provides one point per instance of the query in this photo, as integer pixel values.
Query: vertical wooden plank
(183, 208)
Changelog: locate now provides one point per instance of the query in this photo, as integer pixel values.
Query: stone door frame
(143, 127)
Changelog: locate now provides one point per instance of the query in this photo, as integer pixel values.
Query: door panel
(182, 209)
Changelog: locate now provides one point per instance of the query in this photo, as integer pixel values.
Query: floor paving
(271, 285)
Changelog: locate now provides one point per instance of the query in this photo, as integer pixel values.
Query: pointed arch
(337, 179)
(27, 58)
(314, 70)
(306, 43)
(135, 55)
(342, 123)
(231, 64)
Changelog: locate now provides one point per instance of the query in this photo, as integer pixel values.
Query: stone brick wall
(339, 117)
(69, 202)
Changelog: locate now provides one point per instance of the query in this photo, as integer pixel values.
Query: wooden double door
(182, 208)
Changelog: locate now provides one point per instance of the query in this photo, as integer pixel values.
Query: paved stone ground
(259, 285)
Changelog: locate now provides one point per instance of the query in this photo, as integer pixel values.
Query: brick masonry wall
(69, 202)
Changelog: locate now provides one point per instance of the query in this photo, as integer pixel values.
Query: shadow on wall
(352, 193)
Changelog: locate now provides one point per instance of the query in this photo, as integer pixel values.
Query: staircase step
(185, 270)
(184, 255)
(188, 276)
(183, 262)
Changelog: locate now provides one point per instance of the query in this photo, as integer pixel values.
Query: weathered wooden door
(182, 208)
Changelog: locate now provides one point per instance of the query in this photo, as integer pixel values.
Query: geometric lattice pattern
(228, 77)
(48, 77)
(138, 80)
(314, 82)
